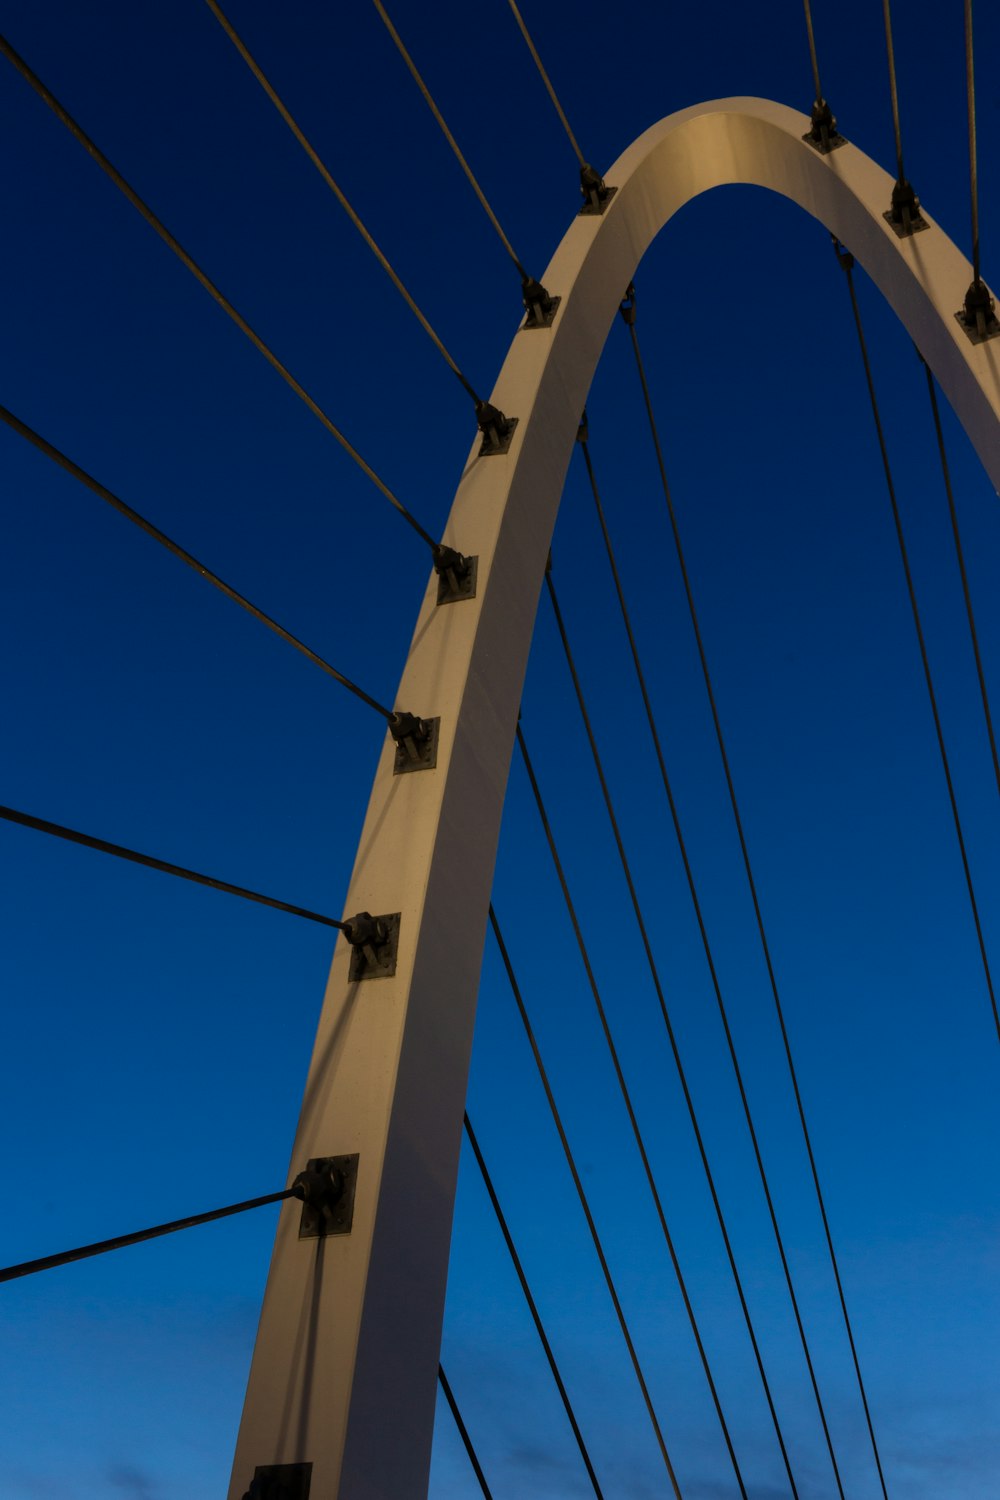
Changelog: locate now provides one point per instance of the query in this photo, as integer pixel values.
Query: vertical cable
(723, 1015)
(812, 52)
(584, 1204)
(752, 885)
(609, 1039)
(692, 1112)
(848, 262)
(970, 88)
(952, 511)
(532, 1307)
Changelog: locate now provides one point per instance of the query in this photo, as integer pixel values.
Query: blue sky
(158, 1033)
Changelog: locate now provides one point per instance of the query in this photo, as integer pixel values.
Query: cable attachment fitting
(539, 306)
(456, 574)
(978, 315)
(497, 430)
(583, 431)
(627, 306)
(596, 193)
(416, 742)
(904, 217)
(823, 134)
(374, 941)
(326, 1189)
(844, 257)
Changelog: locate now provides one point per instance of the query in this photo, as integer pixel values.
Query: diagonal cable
(463, 1433)
(688, 1099)
(847, 262)
(120, 1242)
(88, 840)
(710, 959)
(187, 260)
(752, 884)
(459, 156)
(584, 1204)
(547, 81)
(616, 1063)
(959, 553)
(893, 91)
(191, 561)
(532, 1307)
(338, 192)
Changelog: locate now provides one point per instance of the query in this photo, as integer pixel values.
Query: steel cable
(584, 1203)
(847, 262)
(338, 192)
(74, 836)
(532, 1307)
(752, 886)
(953, 513)
(459, 157)
(613, 1052)
(187, 260)
(823, 132)
(51, 451)
(688, 1101)
(547, 81)
(893, 92)
(84, 1252)
(812, 52)
(463, 1433)
(970, 88)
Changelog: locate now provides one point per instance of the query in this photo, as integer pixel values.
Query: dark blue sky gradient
(158, 1033)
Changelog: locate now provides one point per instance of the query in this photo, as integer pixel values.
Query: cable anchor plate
(823, 134)
(456, 574)
(596, 193)
(375, 945)
(327, 1188)
(904, 217)
(497, 430)
(539, 307)
(416, 743)
(978, 315)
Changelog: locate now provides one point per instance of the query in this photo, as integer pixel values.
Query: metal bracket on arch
(539, 307)
(596, 193)
(497, 430)
(456, 574)
(375, 944)
(327, 1188)
(416, 743)
(823, 134)
(978, 315)
(904, 217)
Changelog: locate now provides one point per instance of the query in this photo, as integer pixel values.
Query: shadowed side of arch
(389, 1069)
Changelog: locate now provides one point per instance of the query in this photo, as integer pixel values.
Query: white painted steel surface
(345, 1365)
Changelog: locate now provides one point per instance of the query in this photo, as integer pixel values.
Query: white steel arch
(344, 1369)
